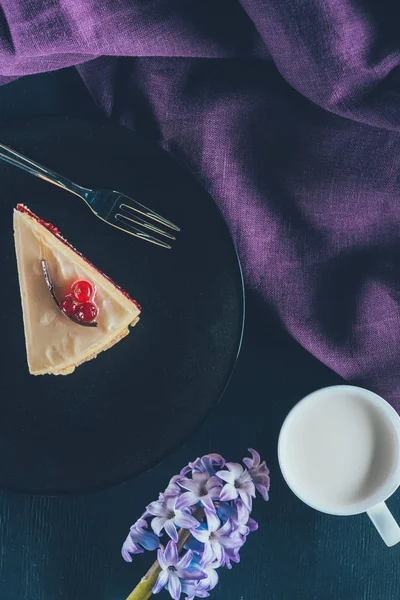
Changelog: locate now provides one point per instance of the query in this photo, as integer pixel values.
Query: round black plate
(120, 414)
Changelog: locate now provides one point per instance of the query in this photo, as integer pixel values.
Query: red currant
(82, 291)
(86, 312)
(69, 305)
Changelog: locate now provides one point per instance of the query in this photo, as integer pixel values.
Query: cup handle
(384, 521)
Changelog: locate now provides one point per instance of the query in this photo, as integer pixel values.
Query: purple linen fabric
(288, 112)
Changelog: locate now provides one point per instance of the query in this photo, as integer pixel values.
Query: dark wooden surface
(69, 547)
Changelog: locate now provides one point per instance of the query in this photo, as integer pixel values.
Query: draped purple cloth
(288, 112)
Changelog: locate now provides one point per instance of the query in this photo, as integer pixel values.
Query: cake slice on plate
(71, 310)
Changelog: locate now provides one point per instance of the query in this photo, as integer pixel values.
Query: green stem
(144, 588)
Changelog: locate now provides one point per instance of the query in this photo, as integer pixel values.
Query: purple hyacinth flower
(205, 464)
(211, 517)
(174, 570)
(139, 540)
(129, 547)
(216, 540)
(236, 512)
(167, 516)
(211, 576)
(259, 473)
(173, 488)
(252, 525)
(230, 555)
(201, 488)
(238, 483)
(242, 518)
(192, 590)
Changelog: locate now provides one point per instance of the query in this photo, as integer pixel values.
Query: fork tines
(135, 218)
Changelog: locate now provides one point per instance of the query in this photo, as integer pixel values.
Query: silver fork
(115, 208)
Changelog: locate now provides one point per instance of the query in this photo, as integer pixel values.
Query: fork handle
(18, 160)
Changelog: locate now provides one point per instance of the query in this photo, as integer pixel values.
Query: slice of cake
(71, 310)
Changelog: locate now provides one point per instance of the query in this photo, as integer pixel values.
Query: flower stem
(144, 588)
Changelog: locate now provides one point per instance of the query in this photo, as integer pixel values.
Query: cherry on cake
(71, 310)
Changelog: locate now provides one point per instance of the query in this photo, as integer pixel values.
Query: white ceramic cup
(301, 425)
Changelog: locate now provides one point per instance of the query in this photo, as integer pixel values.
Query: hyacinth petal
(202, 535)
(160, 557)
(212, 520)
(214, 525)
(203, 584)
(130, 543)
(170, 504)
(202, 594)
(261, 476)
(171, 492)
(125, 555)
(187, 499)
(156, 509)
(185, 560)
(186, 470)
(207, 465)
(174, 480)
(148, 540)
(263, 469)
(246, 498)
(208, 503)
(214, 481)
(252, 525)
(248, 462)
(200, 477)
(249, 488)
(208, 554)
(161, 582)
(174, 586)
(215, 458)
(212, 578)
(189, 588)
(233, 543)
(192, 574)
(255, 456)
(170, 530)
(235, 557)
(227, 563)
(129, 547)
(198, 466)
(231, 556)
(228, 492)
(218, 552)
(252, 489)
(215, 492)
(226, 529)
(235, 468)
(226, 476)
(242, 512)
(189, 484)
(185, 520)
(157, 524)
(141, 523)
(171, 554)
(263, 490)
